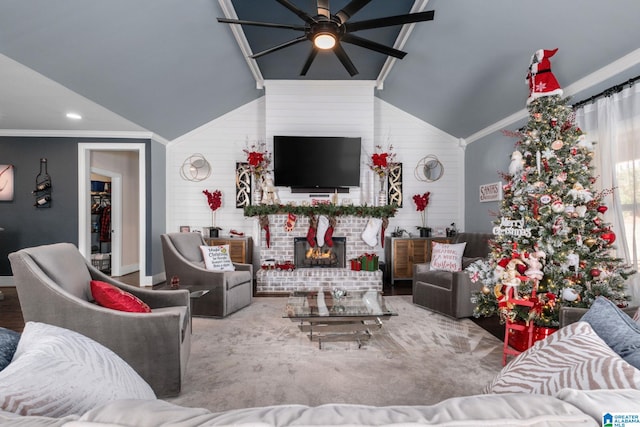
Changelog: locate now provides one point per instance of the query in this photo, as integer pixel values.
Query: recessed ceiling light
(74, 116)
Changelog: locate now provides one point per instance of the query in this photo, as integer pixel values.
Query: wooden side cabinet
(401, 253)
(240, 248)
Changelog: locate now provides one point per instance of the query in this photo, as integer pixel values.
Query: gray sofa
(568, 408)
(447, 292)
(538, 388)
(53, 284)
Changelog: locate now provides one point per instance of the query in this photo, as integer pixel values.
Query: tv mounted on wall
(316, 163)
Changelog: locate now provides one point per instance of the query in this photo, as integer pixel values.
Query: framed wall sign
(491, 192)
(6, 183)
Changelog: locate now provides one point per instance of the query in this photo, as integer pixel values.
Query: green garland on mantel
(323, 209)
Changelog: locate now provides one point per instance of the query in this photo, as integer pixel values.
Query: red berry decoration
(602, 209)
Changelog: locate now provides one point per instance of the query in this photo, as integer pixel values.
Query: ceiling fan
(327, 31)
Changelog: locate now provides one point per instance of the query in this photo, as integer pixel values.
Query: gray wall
(26, 225)
(156, 206)
(483, 160)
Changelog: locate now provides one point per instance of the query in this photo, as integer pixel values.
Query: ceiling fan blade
(280, 46)
(389, 21)
(344, 58)
(293, 8)
(351, 9)
(261, 24)
(368, 44)
(307, 64)
(323, 8)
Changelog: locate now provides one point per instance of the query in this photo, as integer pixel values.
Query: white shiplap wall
(327, 108)
(323, 108)
(413, 139)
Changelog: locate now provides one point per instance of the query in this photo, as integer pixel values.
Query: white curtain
(613, 122)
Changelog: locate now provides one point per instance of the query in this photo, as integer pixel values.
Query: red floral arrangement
(258, 158)
(382, 162)
(214, 199)
(422, 201)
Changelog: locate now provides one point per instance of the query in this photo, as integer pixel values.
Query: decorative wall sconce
(42, 193)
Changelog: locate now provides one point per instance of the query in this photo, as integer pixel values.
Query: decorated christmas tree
(552, 245)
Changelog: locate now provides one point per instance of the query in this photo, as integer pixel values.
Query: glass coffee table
(327, 316)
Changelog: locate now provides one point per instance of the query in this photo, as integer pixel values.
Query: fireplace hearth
(325, 256)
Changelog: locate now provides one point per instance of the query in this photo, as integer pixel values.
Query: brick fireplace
(282, 249)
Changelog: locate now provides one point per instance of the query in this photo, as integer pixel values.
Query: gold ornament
(590, 241)
(486, 290)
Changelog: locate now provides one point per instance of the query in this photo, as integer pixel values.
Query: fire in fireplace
(326, 256)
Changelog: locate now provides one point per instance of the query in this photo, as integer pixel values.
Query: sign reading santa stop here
(491, 192)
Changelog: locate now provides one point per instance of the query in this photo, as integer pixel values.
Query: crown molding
(83, 134)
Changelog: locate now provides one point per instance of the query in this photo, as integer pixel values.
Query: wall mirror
(429, 169)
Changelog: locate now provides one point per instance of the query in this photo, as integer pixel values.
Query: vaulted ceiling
(168, 66)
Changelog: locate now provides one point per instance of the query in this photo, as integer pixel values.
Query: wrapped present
(369, 262)
(519, 339)
(356, 265)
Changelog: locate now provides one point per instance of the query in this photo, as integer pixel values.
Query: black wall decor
(42, 190)
(394, 186)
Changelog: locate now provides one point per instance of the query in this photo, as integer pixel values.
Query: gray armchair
(447, 292)
(216, 293)
(53, 284)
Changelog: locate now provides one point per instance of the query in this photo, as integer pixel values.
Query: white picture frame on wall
(491, 192)
(6, 183)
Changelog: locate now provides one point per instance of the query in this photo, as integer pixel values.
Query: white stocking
(323, 225)
(370, 233)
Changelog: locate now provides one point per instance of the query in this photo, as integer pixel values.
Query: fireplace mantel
(327, 209)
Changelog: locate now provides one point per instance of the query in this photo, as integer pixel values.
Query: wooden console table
(240, 248)
(401, 253)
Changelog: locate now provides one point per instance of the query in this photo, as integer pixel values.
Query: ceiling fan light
(324, 41)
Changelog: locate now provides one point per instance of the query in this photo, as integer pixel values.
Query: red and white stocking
(291, 223)
(311, 233)
(328, 236)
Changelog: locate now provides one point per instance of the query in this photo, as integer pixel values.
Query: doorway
(85, 152)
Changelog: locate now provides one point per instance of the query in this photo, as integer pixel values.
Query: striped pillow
(574, 357)
(56, 372)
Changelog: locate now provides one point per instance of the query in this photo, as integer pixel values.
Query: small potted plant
(421, 201)
(214, 199)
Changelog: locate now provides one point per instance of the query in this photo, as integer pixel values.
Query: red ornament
(609, 236)
(594, 272)
(602, 209)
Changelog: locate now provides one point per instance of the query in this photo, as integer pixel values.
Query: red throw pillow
(109, 296)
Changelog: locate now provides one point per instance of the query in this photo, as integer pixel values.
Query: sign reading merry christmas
(511, 227)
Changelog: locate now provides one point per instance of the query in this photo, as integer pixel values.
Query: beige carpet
(257, 358)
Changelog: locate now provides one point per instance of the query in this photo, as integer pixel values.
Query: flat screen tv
(316, 162)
